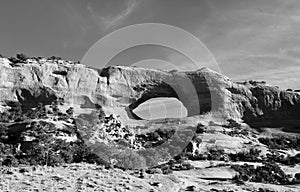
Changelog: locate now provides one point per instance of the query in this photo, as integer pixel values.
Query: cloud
(112, 20)
(293, 52)
(280, 69)
(287, 77)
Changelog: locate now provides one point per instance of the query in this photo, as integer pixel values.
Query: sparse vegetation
(22, 57)
(39, 142)
(53, 58)
(253, 155)
(129, 159)
(281, 142)
(70, 111)
(170, 166)
(200, 128)
(44, 148)
(17, 113)
(155, 138)
(268, 173)
(280, 158)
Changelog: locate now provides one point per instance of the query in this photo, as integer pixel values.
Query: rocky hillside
(121, 89)
(61, 115)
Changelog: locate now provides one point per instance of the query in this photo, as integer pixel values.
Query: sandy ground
(87, 177)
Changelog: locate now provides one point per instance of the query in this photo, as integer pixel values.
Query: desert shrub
(17, 113)
(55, 160)
(10, 160)
(129, 159)
(40, 155)
(167, 170)
(265, 190)
(53, 58)
(155, 138)
(286, 160)
(36, 154)
(212, 123)
(4, 117)
(34, 114)
(22, 57)
(6, 155)
(297, 176)
(154, 155)
(253, 155)
(13, 60)
(70, 111)
(186, 166)
(282, 142)
(215, 154)
(200, 128)
(154, 171)
(3, 133)
(170, 166)
(59, 152)
(6, 149)
(45, 148)
(268, 173)
(54, 107)
(233, 124)
(173, 165)
(98, 153)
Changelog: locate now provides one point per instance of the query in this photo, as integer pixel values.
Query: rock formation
(121, 89)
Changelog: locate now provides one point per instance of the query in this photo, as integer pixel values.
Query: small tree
(130, 160)
(13, 60)
(55, 109)
(3, 133)
(54, 58)
(70, 111)
(22, 57)
(41, 110)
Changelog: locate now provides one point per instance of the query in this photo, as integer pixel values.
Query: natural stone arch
(161, 108)
(164, 90)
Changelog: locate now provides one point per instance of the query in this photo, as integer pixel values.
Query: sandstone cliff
(121, 89)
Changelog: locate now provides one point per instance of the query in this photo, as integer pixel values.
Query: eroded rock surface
(121, 89)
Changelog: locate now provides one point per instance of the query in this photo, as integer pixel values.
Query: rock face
(119, 90)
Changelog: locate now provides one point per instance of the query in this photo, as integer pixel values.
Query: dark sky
(250, 39)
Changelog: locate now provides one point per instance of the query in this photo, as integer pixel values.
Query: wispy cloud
(287, 77)
(107, 21)
(281, 69)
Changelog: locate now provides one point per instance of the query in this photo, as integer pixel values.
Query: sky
(250, 39)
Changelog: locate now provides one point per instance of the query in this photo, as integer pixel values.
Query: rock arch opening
(174, 90)
(160, 108)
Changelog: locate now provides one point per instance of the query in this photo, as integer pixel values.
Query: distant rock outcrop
(119, 90)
